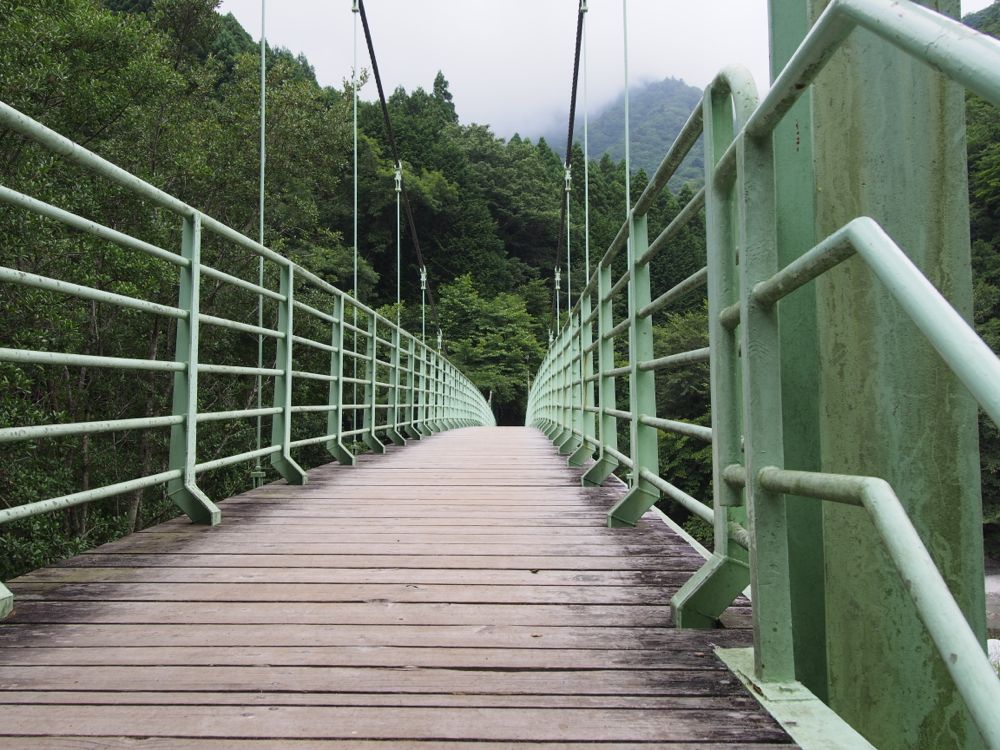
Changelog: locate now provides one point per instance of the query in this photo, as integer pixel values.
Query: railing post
(184, 437)
(392, 415)
(574, 394)
(607, 432)
(371, 389)
(281, 423)
(707, 594)
(774, 657)
(423, 417)
(411, 389)
(335, 419)
(586, 418)
(643, 439)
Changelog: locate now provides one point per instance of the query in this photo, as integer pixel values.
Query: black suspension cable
(395, 155)
(569, 153)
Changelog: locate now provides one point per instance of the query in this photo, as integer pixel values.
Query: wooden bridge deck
(460, 592)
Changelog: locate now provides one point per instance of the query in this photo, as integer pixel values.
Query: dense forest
(168, 89)
(658, 111)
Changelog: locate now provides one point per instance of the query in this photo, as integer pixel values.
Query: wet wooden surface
(462, 591)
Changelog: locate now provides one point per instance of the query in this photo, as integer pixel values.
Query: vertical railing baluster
(335, 419)
(643, 439)
(392, 414)
(184, 437)
(371, 389)
(411, 389)
(586, 418)
(774, 658)
(281, 423)
(607, 429)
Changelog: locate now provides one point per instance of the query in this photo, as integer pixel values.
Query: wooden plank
(363, 656)
(463, 592)
(247, 743)
(337, 592)
(407, 576)
(126, 558)
(369, 613)
(157, 635)
(303, 722)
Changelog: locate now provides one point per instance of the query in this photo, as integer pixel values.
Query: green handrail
(423, 392)
(573, 397)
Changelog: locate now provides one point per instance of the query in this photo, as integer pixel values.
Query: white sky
(509, 62)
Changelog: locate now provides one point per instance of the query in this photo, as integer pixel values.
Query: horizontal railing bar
(619, 285)
(235, 459)
(617, 413)
(87, 226)
(674, 361)
(86, 496)
(617, 372)
(672, 229)
(313, 344)
(39, 432)
(622, 326)
(359, 381)
(304, 375)
(311, 441)
(25, 356)
(35, 281)
(692, 282)
(698, 508)
(219, 416)
(956, 643)
(730, 316)
(309, 309)
(241, 283)
(619, 456)
(681, 428)
(236, 370)
(235, 325)
(306, 409)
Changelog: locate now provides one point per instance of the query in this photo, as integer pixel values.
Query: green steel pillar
(889, 143)
(643, 439)
(335, 419)
(184, 437)
(795, 198)
(281, 423)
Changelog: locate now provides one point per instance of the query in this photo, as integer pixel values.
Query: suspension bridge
(460, 584)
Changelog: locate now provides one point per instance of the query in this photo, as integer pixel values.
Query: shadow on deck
(460, 592)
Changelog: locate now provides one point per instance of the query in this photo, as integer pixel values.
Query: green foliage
(658, 111)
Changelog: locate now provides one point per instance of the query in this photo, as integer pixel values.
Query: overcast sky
(509, 62)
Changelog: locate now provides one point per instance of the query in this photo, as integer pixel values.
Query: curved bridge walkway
(460, 592)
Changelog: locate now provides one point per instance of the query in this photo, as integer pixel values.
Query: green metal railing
(573, 397)
(409, 389)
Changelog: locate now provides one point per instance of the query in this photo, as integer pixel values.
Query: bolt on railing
(409, 387)
(573, 396)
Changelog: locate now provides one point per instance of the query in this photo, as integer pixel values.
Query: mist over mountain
(657, 112)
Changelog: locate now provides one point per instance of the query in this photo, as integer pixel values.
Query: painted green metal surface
(808, 375)
(417, 373)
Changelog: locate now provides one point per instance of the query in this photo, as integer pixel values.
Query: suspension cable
(569, 139)
(395, 153)
(258, 471)
(586, 155)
